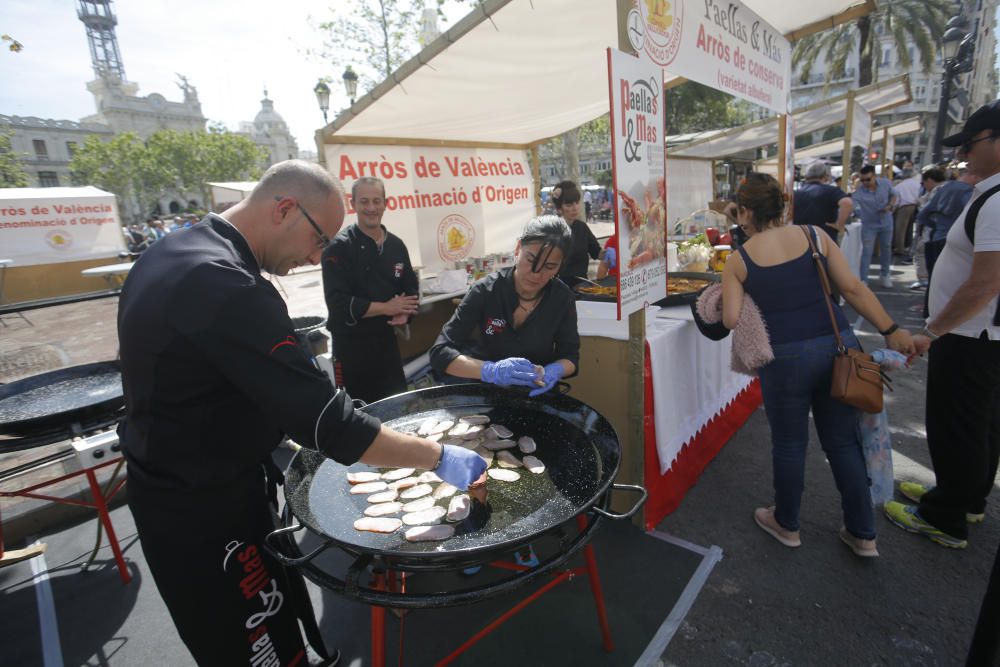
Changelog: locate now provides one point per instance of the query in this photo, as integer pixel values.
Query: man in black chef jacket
(213, 380)
(370, 287)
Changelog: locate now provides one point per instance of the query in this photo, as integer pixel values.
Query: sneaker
(885, 281)
(526, 557)
(915, 492)
(764, 516)
(918, 285)
(860, 547)
(907, 518)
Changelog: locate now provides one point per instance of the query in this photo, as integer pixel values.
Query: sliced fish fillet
(417, 491)
(384, 497)
(383, 509)
(429, 477)
(503, 474)
(427, 425)
(459, 430)
(435, 437)
(445, 490)
(459, 508)
(500, 431)
(369, 487)
(419, 505)
(507, 460)
(486, 455)
(397, 474)
(362, 477)
(475, 420)
(441, 427)
(526, 444)
(473, 432)
(533, 464)
(406, 483)
(425, 517)
(378, 524)
(496, 445)
(429, 533)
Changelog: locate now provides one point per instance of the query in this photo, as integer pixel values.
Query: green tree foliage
(920, 22)
(140, 172)
(373, 36)
(12, 173)
(692, 107)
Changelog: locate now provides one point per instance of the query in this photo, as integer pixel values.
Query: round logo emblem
(455, 236)
(662, 24)
(60, 240)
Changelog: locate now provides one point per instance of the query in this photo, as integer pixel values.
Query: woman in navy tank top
(776, 268)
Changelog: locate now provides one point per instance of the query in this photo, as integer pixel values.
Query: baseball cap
(986, 117)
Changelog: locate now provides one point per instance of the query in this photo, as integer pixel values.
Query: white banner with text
(723, 45)
(446, 204)
(52, 225)
(637, 121)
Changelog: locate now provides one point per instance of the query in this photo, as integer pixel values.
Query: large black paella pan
(578, 446)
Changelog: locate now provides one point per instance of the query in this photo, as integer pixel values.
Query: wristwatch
(927, 332)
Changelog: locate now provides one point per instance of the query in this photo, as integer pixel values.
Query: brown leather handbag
(857, 380)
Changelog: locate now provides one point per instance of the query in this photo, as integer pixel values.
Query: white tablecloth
(691, 378)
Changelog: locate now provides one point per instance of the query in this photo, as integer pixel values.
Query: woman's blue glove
(507, 372)
(611, 257)
(553, 373)
(889, 359)
(460, 466)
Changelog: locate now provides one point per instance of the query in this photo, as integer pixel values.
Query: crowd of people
(214, 379)
(141, 235)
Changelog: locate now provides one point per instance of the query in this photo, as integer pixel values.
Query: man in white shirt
(963, 339)
(907, 192)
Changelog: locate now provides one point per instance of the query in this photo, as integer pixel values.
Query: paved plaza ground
(762, 604)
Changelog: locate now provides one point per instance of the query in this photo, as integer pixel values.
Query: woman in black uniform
(566, 198)
(517, 321)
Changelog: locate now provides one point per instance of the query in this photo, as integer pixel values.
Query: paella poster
(637, 121)
(52, 225)
(446, 204)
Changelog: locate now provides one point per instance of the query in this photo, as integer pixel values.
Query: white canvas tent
(517, 72)
(835, 147)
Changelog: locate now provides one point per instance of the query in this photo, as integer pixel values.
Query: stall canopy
(517, 72)
(876, 98)
(835, 147)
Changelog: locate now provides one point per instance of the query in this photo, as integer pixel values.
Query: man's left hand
(551, 374)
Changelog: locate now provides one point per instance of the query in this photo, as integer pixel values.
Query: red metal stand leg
(102, 512)
(378, 624)
(595, 587)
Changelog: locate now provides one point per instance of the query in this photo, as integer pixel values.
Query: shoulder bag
(857, 380)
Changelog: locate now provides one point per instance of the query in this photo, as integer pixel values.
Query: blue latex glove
(889, 359)
(553, 373)
(507, 372)
(460, 466)
(611, 257)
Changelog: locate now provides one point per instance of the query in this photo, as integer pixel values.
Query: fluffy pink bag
(751, 344)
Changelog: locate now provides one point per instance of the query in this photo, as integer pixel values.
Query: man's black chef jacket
(483, 325)
(584, 247)
(356, 273)
(212, 375)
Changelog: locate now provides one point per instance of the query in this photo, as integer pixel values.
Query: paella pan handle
(273, 544)
(358, 403)
(634, 488)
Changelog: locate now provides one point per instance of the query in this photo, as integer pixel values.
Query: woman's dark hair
(936, 174)
(763, 197)
(566, 192)
(553, 233)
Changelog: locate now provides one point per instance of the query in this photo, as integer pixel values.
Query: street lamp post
(350, 83)
(956, 52)
(323, 97)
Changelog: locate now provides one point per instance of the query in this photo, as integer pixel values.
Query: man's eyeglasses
(967, 146)
(324, 240)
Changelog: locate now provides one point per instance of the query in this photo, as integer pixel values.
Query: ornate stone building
(269, 131)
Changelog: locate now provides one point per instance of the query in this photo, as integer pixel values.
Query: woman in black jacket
(566, 199)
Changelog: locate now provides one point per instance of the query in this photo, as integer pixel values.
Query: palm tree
(920, 22)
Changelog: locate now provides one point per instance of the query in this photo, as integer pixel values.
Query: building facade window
(48, 179)
(41, 150)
